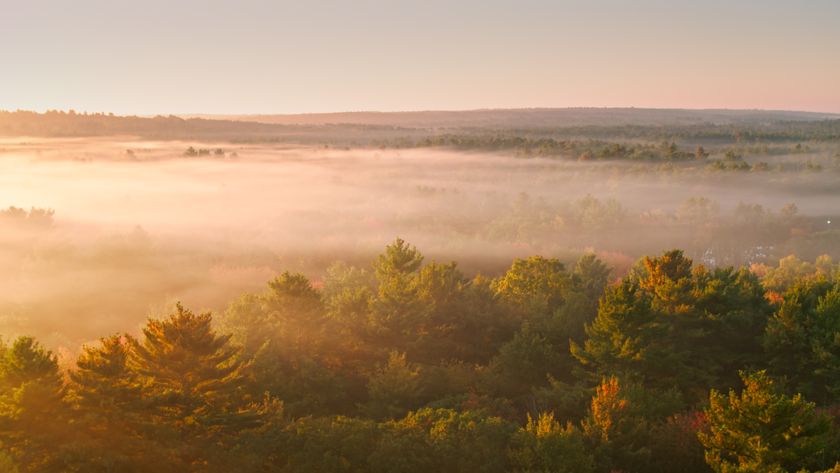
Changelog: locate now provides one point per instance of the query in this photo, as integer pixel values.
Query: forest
(599, 290)
(407, 365)
(289, 236)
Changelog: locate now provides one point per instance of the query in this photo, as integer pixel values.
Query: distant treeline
(60, 123)
(749, 132)
(583, 150)
(72, 124)
(410, 366)
(635, 143)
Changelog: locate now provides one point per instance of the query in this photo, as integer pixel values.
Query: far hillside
(535, 117)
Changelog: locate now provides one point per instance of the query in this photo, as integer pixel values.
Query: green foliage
(803, 340)
(286, 332)
(762, 430)
(329, 444)
(397, 307)
(102, 380)
(32, 407)
(413, 366)
(525, 361)
(399, 258)
(591, 275)
(622, 421)
(172, 400)
(449, 321)
(426, 440)
(443, 440)
(393, 389)
(546, 445)
(190, 375)
(568, 400)
(111, 411)
(627, 337)
(582, 150)
(347, 293)
(672, 324)
(535, 285)
(555, 305)
(616, 429)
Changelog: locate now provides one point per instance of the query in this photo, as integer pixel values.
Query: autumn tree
(621, 420)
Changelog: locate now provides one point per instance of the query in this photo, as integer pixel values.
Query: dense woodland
(408, 365)
(723, 356)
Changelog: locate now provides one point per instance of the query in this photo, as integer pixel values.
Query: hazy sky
(252, 56)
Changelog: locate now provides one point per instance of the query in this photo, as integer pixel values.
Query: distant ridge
(403, 128)
(533, 117)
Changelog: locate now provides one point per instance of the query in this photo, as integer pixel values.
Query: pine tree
(102, 381)
(763, 430)
(803, 340)
(300, 352)
(397, 309)
(629, 338)
(670, 324)
(192, 380)
(114, 432)
(33, 414)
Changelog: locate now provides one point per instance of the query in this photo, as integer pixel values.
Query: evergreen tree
(670, 324)
(299, 353)
(33, 413)
(555, 305)
(803, 340)
(102, 384)
(397, 309)
(113, 425)
(763, 430)
(535, 286)
(629, 338)
(192, 379)
(393, 389)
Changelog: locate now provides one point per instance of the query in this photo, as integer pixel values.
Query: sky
(254, 56)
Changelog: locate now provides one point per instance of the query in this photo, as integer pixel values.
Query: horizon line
(430, 110)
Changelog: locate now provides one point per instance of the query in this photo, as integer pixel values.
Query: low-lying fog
(138, 225)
